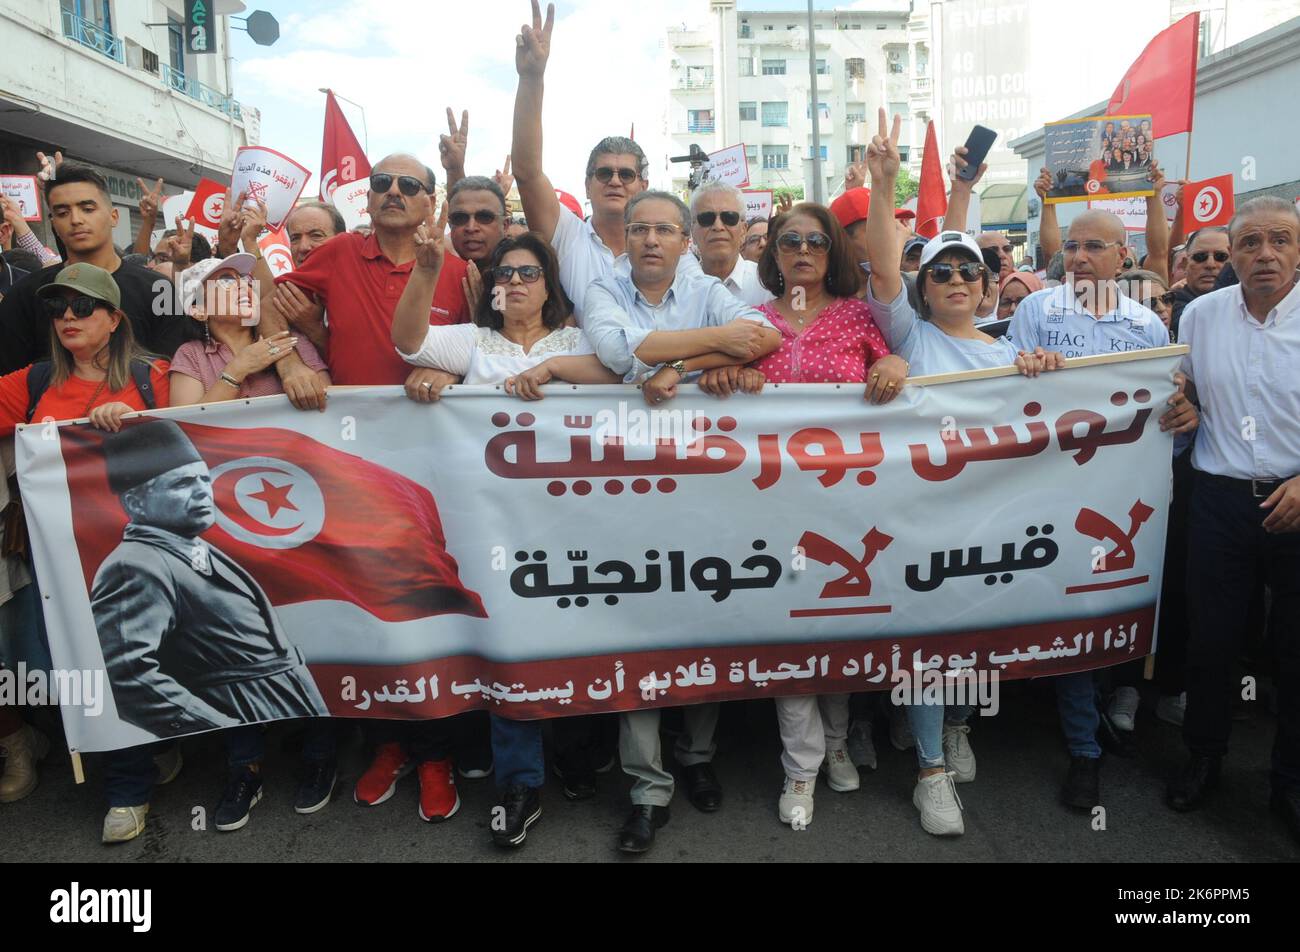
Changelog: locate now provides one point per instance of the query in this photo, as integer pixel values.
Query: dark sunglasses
(1166, 298)
(408, 185)
(1200, 257)
(792, 241)
(83, 305)
(706, 219)
(484, 216)
(969, 271)
(605, 175)
(528, 273)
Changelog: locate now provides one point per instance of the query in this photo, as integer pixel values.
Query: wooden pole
(78, 774)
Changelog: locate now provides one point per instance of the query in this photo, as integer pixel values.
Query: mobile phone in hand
(978, 143)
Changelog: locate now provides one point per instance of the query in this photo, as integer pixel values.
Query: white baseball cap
(192, 278)
(948, 240)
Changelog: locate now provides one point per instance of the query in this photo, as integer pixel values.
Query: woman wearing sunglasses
(950, 284)
(1149, 290)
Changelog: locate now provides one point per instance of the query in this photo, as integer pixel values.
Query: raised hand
(451, 147)
(1043, 184)
(430, 238)
(855, 175)
(533, 44)
(784, 202)
(504, 178)
(254, 218)
(49, 165)
(231, 225)
(883, 159)
(151, 199)
(1157, 177)
(958, 162)
(181, 244)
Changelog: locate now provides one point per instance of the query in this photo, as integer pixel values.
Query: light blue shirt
(926, 348)
(618, 318)
(1054, 320)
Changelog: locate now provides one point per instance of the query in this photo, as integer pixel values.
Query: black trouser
(1230, 553)
(584, 743)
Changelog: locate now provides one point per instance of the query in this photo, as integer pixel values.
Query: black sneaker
(317, 786)
(243, 791)
(577, 784)
(519, 809)
(1082, 790)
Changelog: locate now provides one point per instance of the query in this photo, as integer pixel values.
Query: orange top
(74, 399)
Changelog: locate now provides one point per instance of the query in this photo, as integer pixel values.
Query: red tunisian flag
(1208, 203)
(1162, 80)
(932, 200)
(342, 158)
(309, 522)
(208, 203)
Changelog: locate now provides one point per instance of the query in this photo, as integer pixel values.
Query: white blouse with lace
(483, 355)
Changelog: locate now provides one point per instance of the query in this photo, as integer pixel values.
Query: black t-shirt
(147, 298)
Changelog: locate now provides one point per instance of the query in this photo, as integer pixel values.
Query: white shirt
(584, 257)
(1247, 377)
(744, 284)
(483, 355)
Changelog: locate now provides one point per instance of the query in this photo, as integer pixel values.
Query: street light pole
(365, 133)
(813, 108)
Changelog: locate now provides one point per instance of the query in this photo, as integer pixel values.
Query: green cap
(87, 279)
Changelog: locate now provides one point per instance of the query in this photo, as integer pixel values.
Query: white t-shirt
(483, 355)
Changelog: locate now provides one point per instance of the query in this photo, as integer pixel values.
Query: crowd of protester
(651, 290)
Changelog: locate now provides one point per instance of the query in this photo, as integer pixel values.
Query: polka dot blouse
(837, 347)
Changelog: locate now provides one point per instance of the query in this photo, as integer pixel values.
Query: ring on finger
(427, 385)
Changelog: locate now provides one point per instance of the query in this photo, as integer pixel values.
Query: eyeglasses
(1093, 246)
(528, 273)
(605, 175)
(639, 229)
(1200, 257)
(706, 219)
(752, 239)
(484, 216)
(82, 306)
(792, 242)
(408, 185)
(969, 271)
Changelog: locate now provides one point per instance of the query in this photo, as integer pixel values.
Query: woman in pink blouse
(827, 336)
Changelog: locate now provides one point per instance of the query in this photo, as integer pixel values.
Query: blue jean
(1076, 703)
(926, 722)
(247, 744)
(130, 774)
(517, 751)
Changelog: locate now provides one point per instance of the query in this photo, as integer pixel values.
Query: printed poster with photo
(22, 190)
(1101, 156)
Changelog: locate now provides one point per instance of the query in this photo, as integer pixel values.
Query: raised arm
(411, 319)
(959, 196)
(151, 200)
(451, 147)
(882, 233)
(536, 193)
(1049, 229)
(1157, 227)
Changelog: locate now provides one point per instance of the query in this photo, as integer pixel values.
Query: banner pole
(78, 774)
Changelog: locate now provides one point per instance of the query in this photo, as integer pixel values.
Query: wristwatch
(680, 367)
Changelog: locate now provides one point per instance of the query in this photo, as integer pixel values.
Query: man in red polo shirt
(359, 279)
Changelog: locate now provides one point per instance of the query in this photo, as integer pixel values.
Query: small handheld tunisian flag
(277, 252)
(1162, 80)
(207, 205)
(932, 200)
(1208, 203)
(342, 158)
(307, 521)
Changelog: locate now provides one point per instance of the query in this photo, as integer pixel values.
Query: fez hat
(137, 454)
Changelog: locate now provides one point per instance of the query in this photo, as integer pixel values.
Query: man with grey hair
(718, 210)
(1243, 367)
(617, 171)
(659, 322)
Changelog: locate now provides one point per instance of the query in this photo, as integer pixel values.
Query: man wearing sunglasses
(616, 172)
(478, 223)
(1207, 253)
(1002, 245)
(360, 278)
(717, 212)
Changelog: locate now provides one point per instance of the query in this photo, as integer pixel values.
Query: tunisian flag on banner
(342, 158)
(932, 200)
(309, 522)
(1162, 80)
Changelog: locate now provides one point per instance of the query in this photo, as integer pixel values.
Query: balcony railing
(700, 127)
(96, 38)
(205, 94)
(920, 85)
(696, 82)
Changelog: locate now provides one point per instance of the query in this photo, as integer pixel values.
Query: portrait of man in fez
(190, 640)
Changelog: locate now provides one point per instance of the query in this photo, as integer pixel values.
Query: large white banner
(244, 561)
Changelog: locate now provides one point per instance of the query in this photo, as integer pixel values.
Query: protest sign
(352, 200)
(1100, 156)
(589, 554)
(22, 190)
(728, 165)
(270, 176)
(758, 203)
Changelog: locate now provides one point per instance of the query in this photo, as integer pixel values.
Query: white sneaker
(1124, 707)
(1170, 708)
(796, 804)
(841, 775)
(900, 731)
(957, 753)
(862, 749)
(936, 797)
(169, 764)
(124, 823)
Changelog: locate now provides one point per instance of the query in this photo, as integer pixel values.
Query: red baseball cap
(569, 202)
(852, 206)
(904, 214)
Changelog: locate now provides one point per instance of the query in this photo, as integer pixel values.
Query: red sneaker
(438, 797)
(377, 784)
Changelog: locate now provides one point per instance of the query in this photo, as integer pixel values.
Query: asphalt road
(1012, 813)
